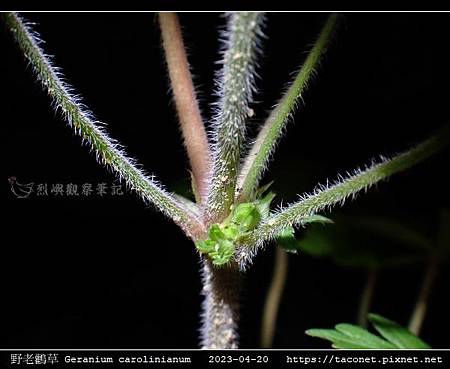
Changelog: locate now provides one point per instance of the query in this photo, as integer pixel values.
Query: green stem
(273, 299)
(327, 196)
(235, 89)
(367, 297)
(272, 130)
(108, 152)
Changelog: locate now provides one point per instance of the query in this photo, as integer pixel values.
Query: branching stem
(107, 151)
(256, 161)
(328, 196)
(189, 116)
(235, 89)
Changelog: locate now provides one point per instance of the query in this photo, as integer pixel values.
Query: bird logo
(22, 191)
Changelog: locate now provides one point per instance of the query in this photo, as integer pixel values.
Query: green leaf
(337, 339)
(205, 246)
(395, 333)
(223, 252)
(246, 216)
(317, 219)
(231, 231)
(215, 233)
(315, 241)
(349, 336)
(262, 190)
(394, 230)
(362, 336)
(350, 339)
(263, 204)
(286, 240)
(350, 243)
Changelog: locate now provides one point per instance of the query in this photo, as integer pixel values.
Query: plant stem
(367, 297)
(235, 90)
(420, 308)
(326, 196)
(256, 161)
(273, 298)
(220, 310)
(190, 119)
(107, 151)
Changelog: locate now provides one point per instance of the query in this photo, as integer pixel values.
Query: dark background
(111, 273)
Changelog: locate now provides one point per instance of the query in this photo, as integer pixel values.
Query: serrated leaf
(363, 336)
(349, 336)
(341, 340)
(396, 334)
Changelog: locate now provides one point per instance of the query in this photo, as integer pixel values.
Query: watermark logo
(45, 189)
(22, 191)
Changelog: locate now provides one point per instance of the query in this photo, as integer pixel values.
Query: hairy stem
(367, 296)
(220, 313)
(270, 133)
(327, 196)
(273, 298)
(235, 89)
(107, 151)
(189, 116)
(420, 308)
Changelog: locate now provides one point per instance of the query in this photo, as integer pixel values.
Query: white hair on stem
(235, 90)
(107, 151)
(324, 197)
(257, 159)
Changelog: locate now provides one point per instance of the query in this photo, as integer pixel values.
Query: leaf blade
(396, 334)
(338, 339)
(364, 337)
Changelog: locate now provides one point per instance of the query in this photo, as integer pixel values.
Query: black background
(112, 273)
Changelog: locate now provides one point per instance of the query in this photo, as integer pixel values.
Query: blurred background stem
(420, 309)
(367, 296)
(273, 298)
